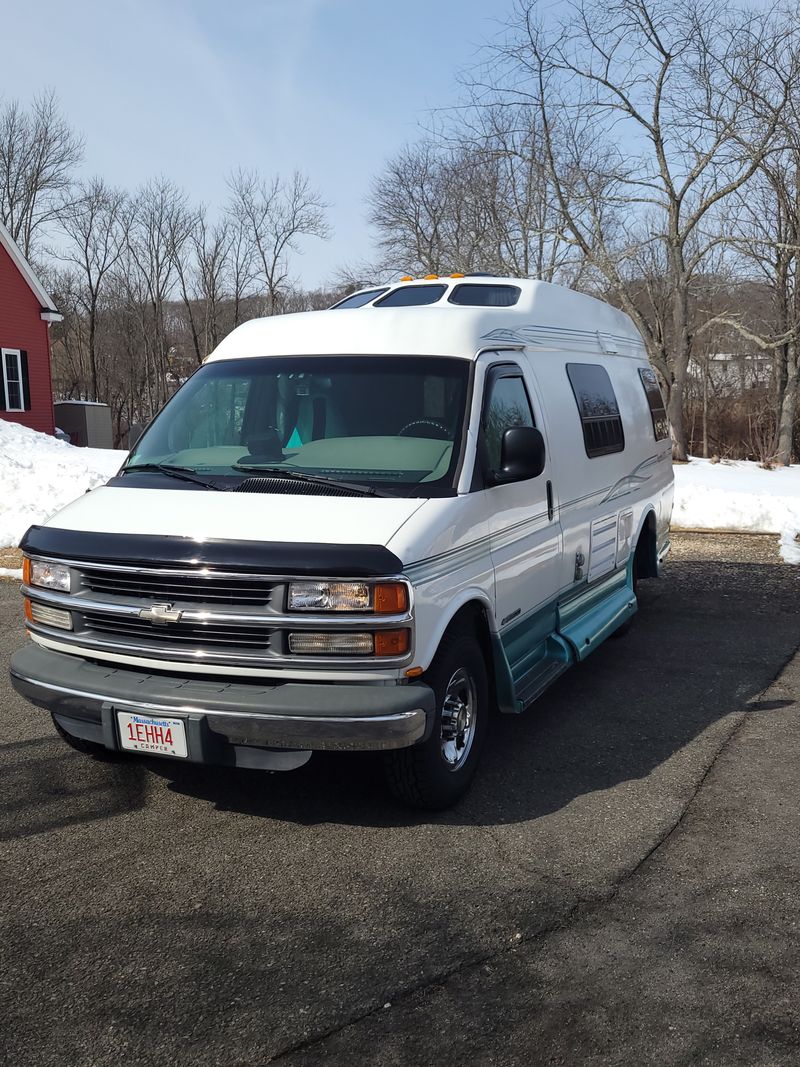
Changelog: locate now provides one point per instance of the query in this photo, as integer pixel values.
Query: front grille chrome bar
(88, 642)
(304, 621)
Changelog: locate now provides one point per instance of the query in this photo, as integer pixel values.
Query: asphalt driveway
(621, 885)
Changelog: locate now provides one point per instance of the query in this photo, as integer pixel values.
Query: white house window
(12, 379)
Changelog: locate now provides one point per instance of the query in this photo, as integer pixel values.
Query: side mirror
(522, 455)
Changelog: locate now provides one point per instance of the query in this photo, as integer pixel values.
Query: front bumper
(226, 722)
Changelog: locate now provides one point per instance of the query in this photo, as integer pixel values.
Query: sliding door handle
(550, 510)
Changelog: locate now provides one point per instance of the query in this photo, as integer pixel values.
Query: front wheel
(436, 773)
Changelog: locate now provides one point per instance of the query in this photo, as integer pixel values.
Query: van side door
(524, 527)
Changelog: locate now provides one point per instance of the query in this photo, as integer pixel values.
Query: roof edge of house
(26, 270)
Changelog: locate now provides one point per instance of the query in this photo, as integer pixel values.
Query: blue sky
(191, 90)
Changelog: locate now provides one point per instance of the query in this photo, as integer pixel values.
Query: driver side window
(506, 405)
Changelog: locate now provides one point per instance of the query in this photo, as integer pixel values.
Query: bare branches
(39, 152)
(274, 214)
(645, 106)
(94, 223)
(478, 199)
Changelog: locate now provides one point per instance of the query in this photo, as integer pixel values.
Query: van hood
(230, 517)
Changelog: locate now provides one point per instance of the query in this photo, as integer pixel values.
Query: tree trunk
(92, 346)
(680, 352)
(788, 409)
(705, 409)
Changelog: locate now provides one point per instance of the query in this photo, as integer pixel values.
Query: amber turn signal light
(26, 570)
(389, 598)
(391, 642)
(28, 610)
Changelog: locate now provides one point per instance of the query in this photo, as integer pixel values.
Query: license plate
(153, 734)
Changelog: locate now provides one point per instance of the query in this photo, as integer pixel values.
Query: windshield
(389, 422)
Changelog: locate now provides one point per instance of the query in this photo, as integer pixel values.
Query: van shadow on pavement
(47, 786)
(709, 636)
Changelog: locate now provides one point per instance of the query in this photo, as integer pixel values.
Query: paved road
(620, 887)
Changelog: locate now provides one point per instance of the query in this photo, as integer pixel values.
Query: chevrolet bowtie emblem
(160, 614)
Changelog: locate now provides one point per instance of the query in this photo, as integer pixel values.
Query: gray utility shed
(87, 422)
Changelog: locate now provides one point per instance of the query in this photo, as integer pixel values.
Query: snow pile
(737, 495)
(39, 475)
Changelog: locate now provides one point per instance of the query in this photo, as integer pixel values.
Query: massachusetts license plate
(152, 734)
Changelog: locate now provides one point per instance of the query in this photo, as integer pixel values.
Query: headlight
(47, 575)
(381, 598)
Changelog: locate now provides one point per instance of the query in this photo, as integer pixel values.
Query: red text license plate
(152, 734)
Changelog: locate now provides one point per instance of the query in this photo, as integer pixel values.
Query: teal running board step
(557, 657)
(587, 621)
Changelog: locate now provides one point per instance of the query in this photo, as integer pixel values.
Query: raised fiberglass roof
(542, 316)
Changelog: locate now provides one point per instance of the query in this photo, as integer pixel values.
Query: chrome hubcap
(458, 719)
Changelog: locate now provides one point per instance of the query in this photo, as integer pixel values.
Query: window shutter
(2, 381)
(26, 385)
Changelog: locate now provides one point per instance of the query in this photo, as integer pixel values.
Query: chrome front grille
(197, 635)
(178, 614)
(204, 587)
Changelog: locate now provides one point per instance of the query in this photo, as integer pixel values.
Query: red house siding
(22, 327)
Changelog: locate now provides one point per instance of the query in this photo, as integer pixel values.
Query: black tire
(86, 748)
(422, 776)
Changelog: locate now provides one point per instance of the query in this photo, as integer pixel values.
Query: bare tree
(94, 225)
(158, 226)
(202, 266)
(39, 152)
(413, 207)
(272, 215)
(645, 107)
(763, 229)
(525, 233)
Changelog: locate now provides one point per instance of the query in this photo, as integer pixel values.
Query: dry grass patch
(11, 558)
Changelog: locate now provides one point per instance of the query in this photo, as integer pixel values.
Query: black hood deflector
(264, 557)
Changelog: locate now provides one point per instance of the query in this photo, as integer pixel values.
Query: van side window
(506, 405)
(598, 409)
(655, 401)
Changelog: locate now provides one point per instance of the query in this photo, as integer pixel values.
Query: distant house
(26, 311)
(732, 373)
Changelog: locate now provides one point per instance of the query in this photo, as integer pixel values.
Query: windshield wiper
(185, 474)
(313, 479)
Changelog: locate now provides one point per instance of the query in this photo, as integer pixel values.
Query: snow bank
(737, 495)
(39, 475)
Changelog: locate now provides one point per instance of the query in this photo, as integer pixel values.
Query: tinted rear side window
(358, 300)
(656, 403)
(412, 296)
(598, 409)
(485, 296)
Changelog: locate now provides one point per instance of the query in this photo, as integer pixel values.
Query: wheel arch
(645, 557)
(473, 610)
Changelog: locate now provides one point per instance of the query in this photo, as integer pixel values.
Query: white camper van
(362, 528)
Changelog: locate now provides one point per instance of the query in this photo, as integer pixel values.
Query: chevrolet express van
(362, 528)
